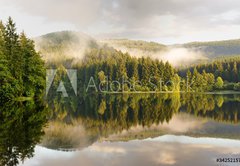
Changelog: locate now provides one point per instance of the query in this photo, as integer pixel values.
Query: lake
(122, 129)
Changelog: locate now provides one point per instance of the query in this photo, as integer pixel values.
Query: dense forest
(105, 65)
(21, 67)
(102, 67)
(117, 66)
(22, 71)
(226, 69)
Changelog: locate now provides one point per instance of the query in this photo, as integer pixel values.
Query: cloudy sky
(164, 21)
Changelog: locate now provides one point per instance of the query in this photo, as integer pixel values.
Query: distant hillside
(211, 49)
(216, 48)
(135, 44)
(67, 45)
(64, 45)
(177, 56)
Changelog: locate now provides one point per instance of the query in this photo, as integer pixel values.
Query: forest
(23, 69)
(226, 69)
(106, 65)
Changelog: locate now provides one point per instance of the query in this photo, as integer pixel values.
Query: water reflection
(138, 116)
(130, 128)
(21, 126)
(164, 151)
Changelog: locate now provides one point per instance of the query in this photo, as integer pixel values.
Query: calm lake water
(127, 129)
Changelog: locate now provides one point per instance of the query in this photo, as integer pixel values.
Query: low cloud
(177, 56)
(181, 56)
(65, 45)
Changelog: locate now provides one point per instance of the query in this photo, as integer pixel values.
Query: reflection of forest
(144, 109)
(223, 108)
(98, 116)
(85, 120)
(20, 130)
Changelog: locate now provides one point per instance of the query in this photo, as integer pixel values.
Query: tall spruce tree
(21, 67)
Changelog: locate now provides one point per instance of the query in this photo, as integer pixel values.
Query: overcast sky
(164, 21)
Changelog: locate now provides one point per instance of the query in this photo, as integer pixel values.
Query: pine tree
(132, 68)
(168, 72)
(12, 50)
(21, 67)
(2, 44)
(33, 67)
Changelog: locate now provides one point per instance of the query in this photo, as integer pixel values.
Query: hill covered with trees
(63, 46)
(215, 49)
(135, 44)
(22, 68)
(105, 64)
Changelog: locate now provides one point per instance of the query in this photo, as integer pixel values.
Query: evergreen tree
(168, 72)
(21, 67)
(12, 50)
(33, 67)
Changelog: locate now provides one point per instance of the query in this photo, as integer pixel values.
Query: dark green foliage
(34, 72)
(226, 68)
(237, 87)
(21, 68)
(198, 82)
(21, 126)
(121, 67)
